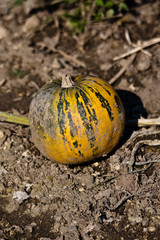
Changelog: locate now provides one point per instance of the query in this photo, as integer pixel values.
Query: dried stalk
(138, 48)
(13, 118)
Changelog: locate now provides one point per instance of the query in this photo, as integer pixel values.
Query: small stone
(2, 170)
(3, 32)
(81, 189)
(144, 62)
(1, 134)
(30, 228)
(28, 187)
(151, 229)
(20, 196)
(96, 164)
(56, 64)
(31, 24)
(2, 187)
(117, 167)
(26, 154)
(145, 222)
(105, 66)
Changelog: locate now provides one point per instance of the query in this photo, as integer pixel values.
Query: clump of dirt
(40, 199)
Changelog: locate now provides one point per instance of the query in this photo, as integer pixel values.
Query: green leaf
(100, 3)
(109, 4)
(110, 13)
(71, 1)
(123, 6)
(18, 2)
(74, 23)
(48, 20)
(15, 71)
(19, 74)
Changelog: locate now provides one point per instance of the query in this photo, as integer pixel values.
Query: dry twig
(65, 55)
(127, 36)
(138, 48)
(120, 202)
(143, 137)
(138, 145)
(142, 122)
(123, 69)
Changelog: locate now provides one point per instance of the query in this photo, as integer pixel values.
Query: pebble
(30, 228)
(81, 189)
(151, 229)
(31, 24)
(26, 154)
(20, 196)
(1, 134)
(144, 62)
(2, 170)
(3, 32)
(56, 64)
(2, 187)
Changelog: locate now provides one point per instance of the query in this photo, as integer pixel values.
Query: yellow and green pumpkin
(76, 119)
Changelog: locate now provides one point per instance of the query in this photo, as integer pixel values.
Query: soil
(40, 199)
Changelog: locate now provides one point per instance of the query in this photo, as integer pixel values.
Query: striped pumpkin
(76, 119)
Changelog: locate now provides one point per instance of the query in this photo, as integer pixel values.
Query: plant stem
(144, 122)
(12, 118)
(67, 81)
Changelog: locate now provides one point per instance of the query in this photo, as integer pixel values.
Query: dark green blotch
(61, 114)
(75, 144)
(92, 115)
(80, 153)
(109, 93)
(105, 104)
(86, 122)
(72, 126)
(67, 104)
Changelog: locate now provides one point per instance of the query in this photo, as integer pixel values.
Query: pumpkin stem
(67, 81)
(12, 118)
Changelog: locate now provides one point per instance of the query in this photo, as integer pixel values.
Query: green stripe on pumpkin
(87, 123)
(61, 113)
(88, 105)
(104, 103)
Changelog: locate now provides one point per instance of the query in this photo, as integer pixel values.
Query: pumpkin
(76, 119)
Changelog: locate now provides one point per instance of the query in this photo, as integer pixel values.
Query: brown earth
(40, 199)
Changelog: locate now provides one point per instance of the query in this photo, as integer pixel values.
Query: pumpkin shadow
(134, 109)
